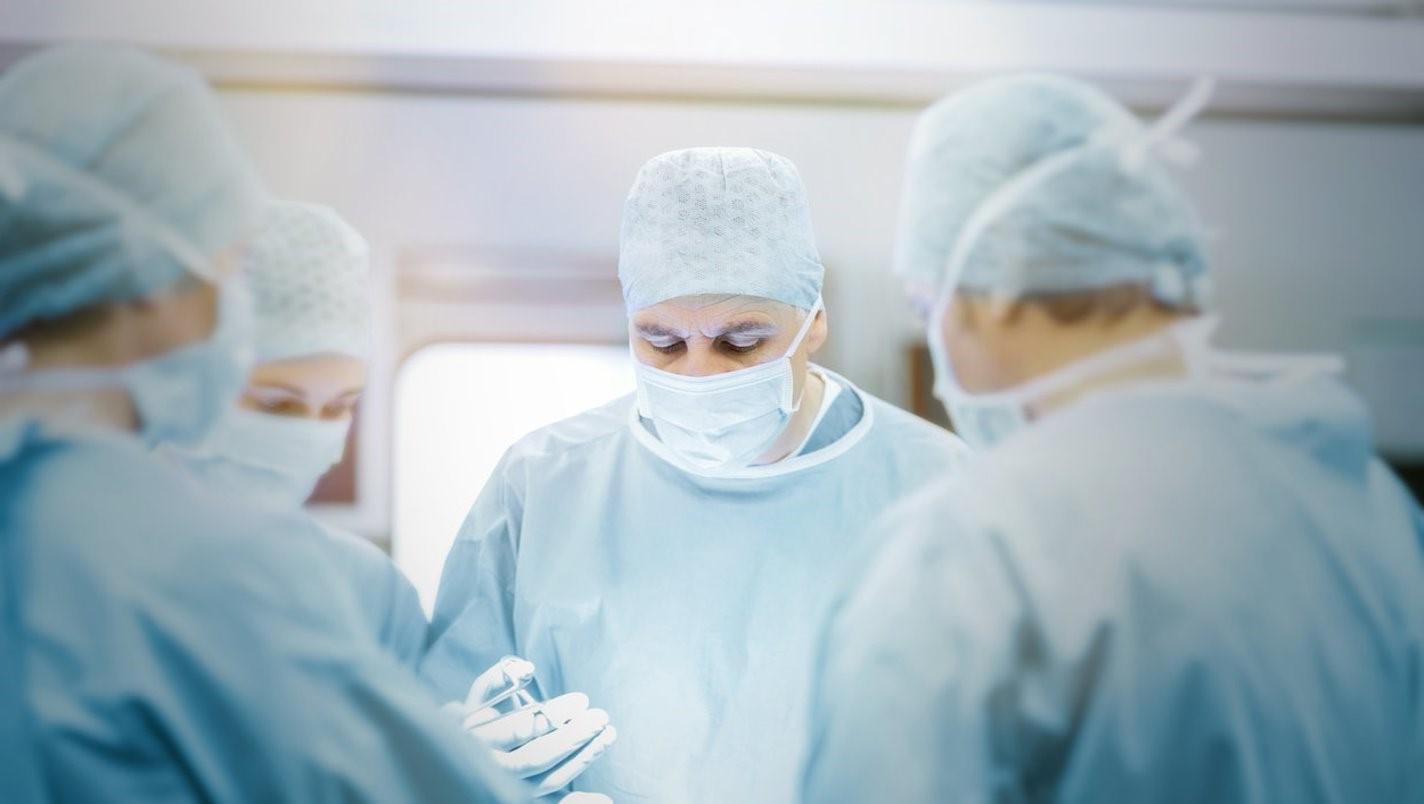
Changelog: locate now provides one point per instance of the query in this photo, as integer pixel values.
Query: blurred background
(484, 149)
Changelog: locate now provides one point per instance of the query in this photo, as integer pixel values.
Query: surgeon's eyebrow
(760, 329)
(659, 331)
(280, 386)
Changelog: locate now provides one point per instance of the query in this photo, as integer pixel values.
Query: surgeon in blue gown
(1174, 573)
(308, 271)
(161, 643)
(669, 554)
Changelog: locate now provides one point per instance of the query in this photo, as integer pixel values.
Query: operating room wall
(1320, 225)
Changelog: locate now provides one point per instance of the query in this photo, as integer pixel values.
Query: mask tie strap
(1162, 138)
(129, 213)
(788, 404)
(16, 376)
(805, 327)
(61, 381)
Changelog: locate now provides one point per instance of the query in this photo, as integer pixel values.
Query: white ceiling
(1300, 62)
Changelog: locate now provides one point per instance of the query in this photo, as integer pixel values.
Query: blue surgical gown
(1194, 591)
(162, 644)
(685, 607)
(388, 602)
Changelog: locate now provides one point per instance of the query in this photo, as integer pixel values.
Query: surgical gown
(388, 602)
(1193, 591)
(162, 644)
(684, 606)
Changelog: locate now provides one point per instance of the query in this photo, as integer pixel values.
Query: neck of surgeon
(812, 389)
(107, 336)
(999, 343)
(109, 408)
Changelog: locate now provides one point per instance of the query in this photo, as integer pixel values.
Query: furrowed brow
(280, 386)
(756, 328)
(658, 331)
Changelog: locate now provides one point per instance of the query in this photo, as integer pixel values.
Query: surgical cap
(718, 220)
(308, 272)
(117, 179)
(1042, 184)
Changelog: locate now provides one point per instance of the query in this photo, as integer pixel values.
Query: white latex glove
(546, 743)
(585, 798)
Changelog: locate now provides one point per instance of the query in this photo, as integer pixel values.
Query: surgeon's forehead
(710, 311)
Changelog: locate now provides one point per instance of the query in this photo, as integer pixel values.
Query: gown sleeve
(232, 668)
(388, 599)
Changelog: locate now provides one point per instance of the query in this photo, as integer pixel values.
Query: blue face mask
(182, 394)
(275, 461)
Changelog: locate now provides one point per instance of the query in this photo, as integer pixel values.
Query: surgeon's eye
(281, 407)
(337, 410)
(740, 346)
(667, 346)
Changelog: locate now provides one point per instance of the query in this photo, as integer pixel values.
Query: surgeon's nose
(702, 360)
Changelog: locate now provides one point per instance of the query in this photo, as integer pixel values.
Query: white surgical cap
(1038, 184)
(117, 179)
(718, 220)
(308, 270)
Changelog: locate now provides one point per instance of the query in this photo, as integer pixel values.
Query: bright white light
(458, 407)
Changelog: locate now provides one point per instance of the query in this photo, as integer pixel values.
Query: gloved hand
(547, 743)
(585, 798)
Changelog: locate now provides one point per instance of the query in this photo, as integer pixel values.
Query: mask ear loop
(805, 328)
(795, 405)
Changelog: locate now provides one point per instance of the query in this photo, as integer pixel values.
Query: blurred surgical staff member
(670, 553)
(308, 274)
(161, 643)
(1175, 573)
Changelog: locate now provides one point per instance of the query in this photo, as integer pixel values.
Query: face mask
(723, 421)
(180, 395)
(276, 460)
(985, 419)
